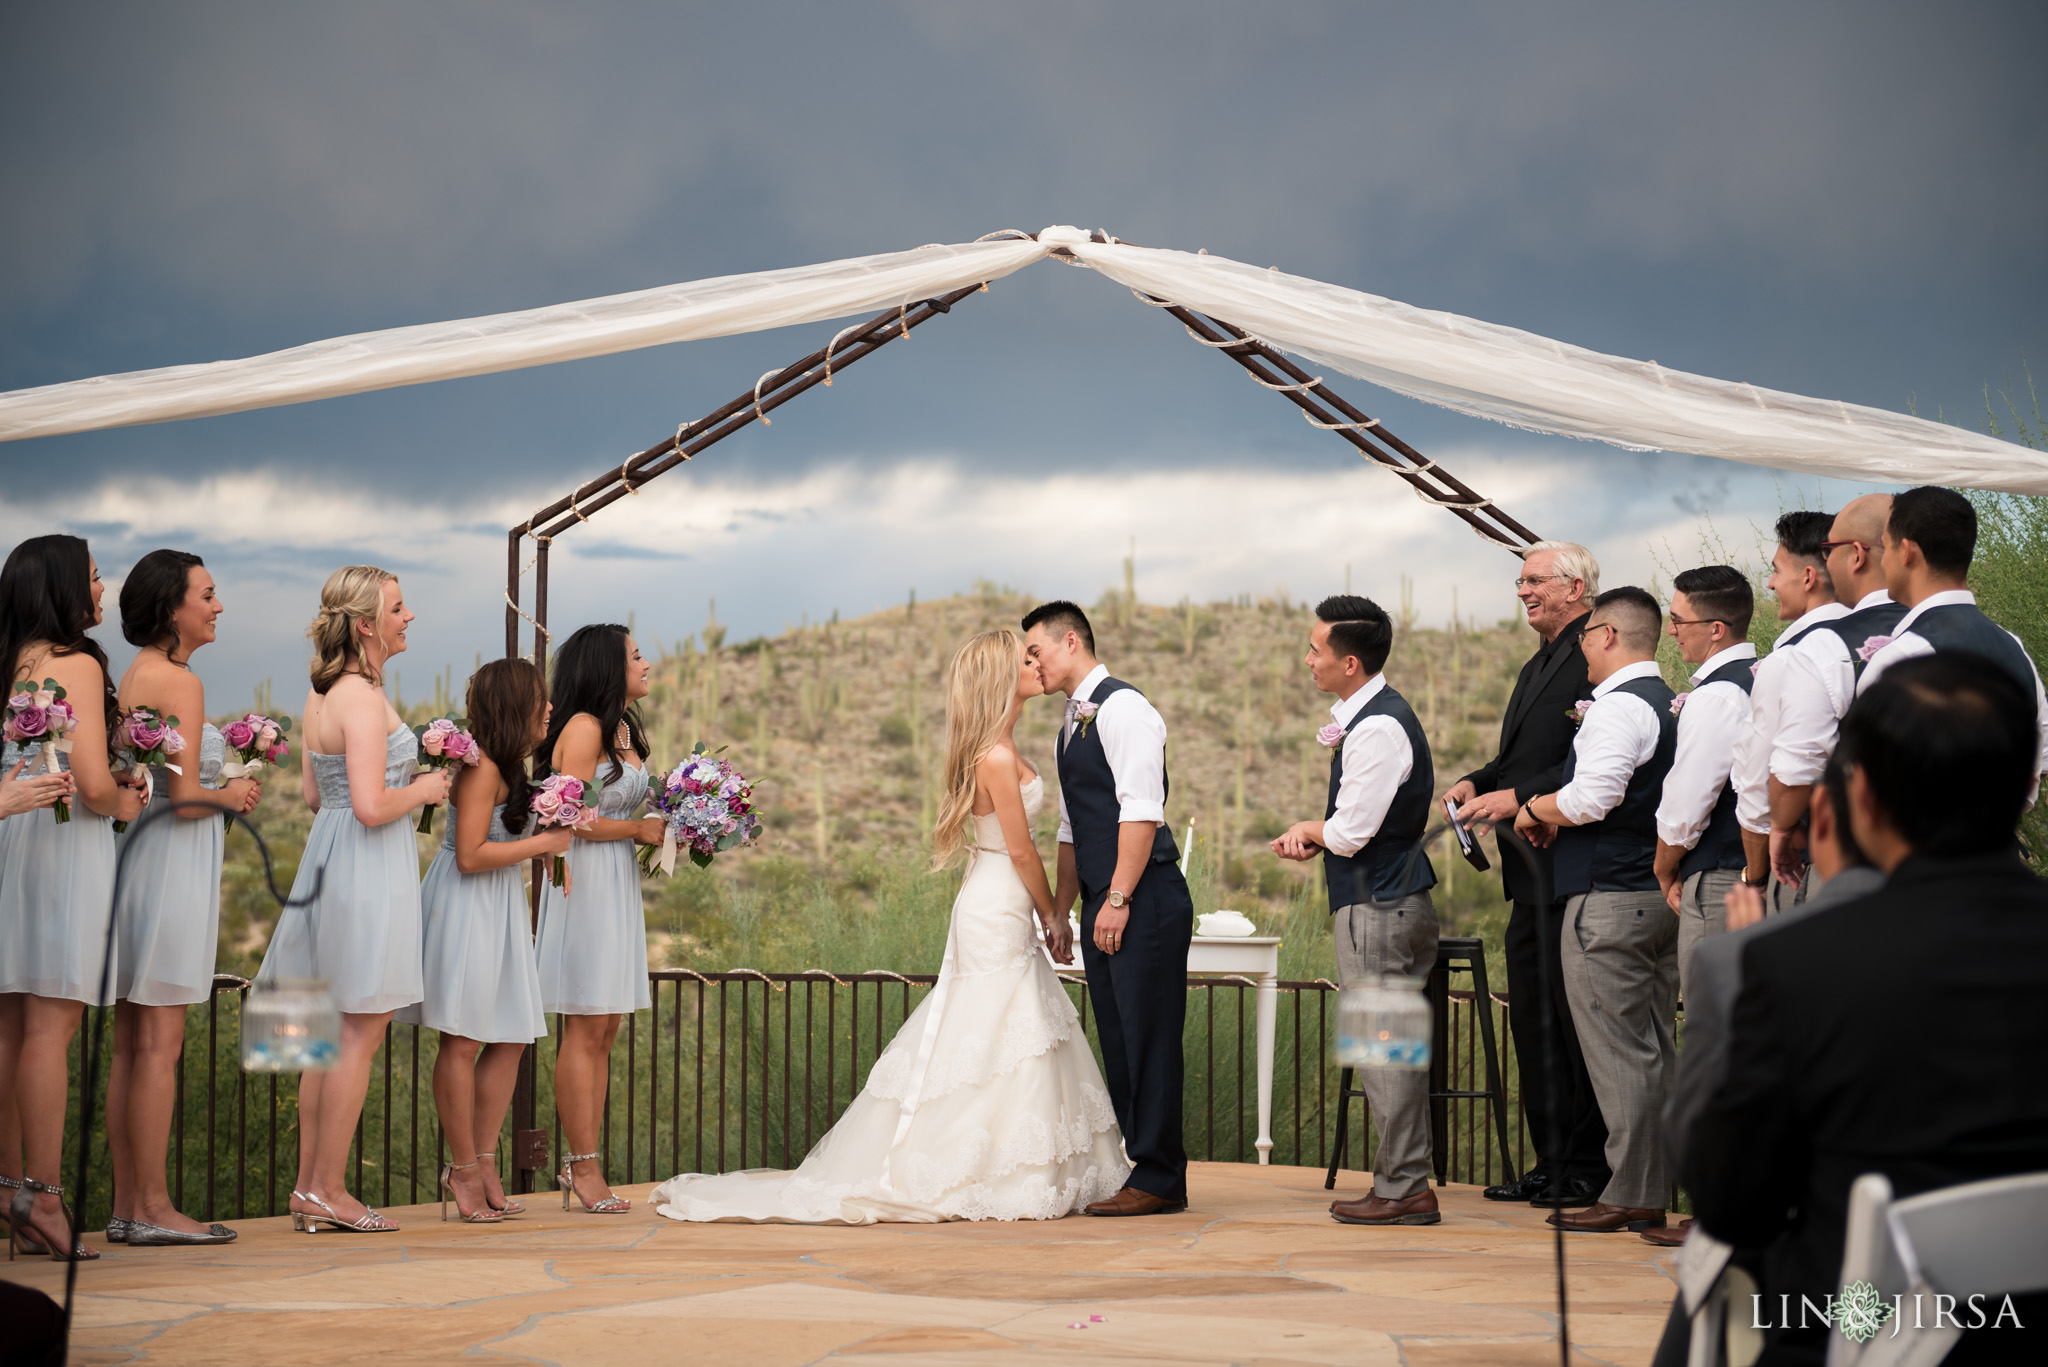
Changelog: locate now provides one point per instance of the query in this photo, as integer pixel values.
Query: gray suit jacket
(1716, 983)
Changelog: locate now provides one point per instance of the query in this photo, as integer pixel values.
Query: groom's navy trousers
(1139, 993)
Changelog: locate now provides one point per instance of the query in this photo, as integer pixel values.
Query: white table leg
(1268, 1012)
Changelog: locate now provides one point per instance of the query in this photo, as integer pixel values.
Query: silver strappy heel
(19, 1227)
(511, 1206)
(489, 1215)
(610, 1205)
(370, 1222)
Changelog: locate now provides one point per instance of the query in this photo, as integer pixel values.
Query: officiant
(1381, 783)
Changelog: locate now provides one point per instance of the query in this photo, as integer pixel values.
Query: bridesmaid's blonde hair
(978, 700)
(352, 594)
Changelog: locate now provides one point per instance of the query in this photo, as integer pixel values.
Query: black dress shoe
(1566, 1193)
(1527, 1187)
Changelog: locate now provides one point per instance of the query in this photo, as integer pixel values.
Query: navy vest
(1387, 866)
(1720, 844)
(1964, 627)
(1618, 853)
(1859, 626)
(1093, 811)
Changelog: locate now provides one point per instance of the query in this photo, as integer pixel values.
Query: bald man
(1820, 682)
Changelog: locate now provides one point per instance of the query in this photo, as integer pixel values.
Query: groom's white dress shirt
(1618, 737)
(1819, 685)
(1133, 736)
(1377, 761)
(1751, 774)
(1709, 724)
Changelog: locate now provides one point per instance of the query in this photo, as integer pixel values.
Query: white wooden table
(1256, 957)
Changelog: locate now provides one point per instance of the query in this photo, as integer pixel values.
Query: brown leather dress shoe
(1602, 1218)
(1374, 1209)
(1131, 1201)
(1668, 1238)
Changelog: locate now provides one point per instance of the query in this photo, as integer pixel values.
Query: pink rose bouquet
(558, 801)
(444, 745)
(40, 717)
(254, 741)
(144, 738)
(706, 806)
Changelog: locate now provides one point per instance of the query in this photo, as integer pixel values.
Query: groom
(1136, 915)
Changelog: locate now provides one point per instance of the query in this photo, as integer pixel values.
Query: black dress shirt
(1535, 736)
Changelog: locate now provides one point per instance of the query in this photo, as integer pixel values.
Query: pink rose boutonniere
(1678, 702)
(1577, 711)
(1871, 647)
(1330, 737)
(1084, 713)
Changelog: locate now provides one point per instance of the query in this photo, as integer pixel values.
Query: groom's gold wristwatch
(1119, 900)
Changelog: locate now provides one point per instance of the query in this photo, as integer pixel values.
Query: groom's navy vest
(1093, 811)
(1387, 866)
(1618, 853)
(1720, 844)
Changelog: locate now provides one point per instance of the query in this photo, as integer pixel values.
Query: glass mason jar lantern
(1384, 1024)
(290, 1025)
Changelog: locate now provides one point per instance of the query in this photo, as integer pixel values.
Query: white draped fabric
(1486, 370)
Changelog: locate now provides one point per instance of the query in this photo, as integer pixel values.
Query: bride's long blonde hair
(978, 699)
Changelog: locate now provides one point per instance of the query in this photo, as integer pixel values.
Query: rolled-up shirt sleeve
(1377, 761)
(1134, 742)
(1811, 702)
(1708, 726)
(1618, 736)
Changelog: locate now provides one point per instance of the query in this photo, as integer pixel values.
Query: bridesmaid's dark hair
(590, 676)
(505, 699)
(152, 594)
(46, 595)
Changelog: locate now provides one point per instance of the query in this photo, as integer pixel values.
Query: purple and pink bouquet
(146, 737)
(706, 807)
(444, 745)
(41, 717)
(558, 801)
(253, 742)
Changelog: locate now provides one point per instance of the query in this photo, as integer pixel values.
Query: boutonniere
(1577, 711)
(1754, 668)
(1330, 737)
(1678, 702)
(1084, 713)
(1871, 647)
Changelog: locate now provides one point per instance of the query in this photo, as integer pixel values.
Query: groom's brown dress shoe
(1374, 1209)
(1670, 1237)
(1131, 1201)
(1602, 1218)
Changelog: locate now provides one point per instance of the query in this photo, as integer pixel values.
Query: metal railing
(748, 1069)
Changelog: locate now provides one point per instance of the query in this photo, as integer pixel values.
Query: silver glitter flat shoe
(142, 1234)
(117, 1229)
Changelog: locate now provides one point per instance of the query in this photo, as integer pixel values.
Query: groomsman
(1929, 542)
(1558, 583)
(1620, 941)
(1806, 599)
(1820, 678)
(1381, 782)
(1699, 841)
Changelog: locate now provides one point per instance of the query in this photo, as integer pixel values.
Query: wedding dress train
(988, 1104)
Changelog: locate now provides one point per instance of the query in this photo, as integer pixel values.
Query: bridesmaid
(56, 879)
(481, 985)
(167, 922)
(362, 932)
(593, 936)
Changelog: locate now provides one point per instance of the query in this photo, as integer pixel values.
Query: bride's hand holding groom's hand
(1059, 938)
(1298, 842)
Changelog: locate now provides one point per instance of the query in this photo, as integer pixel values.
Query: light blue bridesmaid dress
(56, 890)
(480, 978)
(168, 918)
(593, 939)
(362, 932)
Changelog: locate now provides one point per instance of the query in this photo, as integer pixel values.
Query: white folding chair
(1981, 1238)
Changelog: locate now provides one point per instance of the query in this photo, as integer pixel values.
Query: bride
(988, 1104)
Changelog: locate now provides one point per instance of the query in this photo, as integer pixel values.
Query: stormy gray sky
(1843, 200)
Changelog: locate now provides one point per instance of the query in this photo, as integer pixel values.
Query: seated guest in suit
(1558, 583)
(1381, 782)
(1820, 677)
(1902, 1032)
(1619, 942)
(1928, 545)
(1806, 599)
(1699, 841)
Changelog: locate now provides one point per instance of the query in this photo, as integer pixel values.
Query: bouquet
(706, 806)
(146, 737)
(444, 745)
(558, 801)
(253, 741)
(41, 717)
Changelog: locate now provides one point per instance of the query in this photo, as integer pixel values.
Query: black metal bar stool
(1454, 954)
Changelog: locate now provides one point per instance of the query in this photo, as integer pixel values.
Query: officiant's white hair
(1573, 561)
(982, 687)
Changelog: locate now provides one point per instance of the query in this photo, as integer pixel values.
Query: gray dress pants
(1702, 914)
(1620, 957)
(1392, 937)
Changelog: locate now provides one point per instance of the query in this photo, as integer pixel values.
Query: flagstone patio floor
(1255, 1273)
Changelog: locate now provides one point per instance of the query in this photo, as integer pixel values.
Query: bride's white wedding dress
(987, 1105)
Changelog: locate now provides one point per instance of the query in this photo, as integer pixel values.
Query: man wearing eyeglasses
(1558, 583)
(1820, 677)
